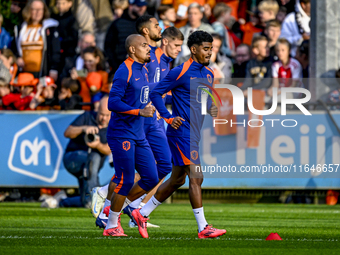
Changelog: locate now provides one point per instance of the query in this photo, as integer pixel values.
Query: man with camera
(86, 151)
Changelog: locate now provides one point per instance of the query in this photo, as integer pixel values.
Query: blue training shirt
(158, 68)
(129, 93)
(185, 82)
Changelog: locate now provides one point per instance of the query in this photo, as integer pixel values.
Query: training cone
(273, 236)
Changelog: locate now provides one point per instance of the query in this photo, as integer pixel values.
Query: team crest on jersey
(144, 94)
(126, 145)
(194, 155)
(209, 78)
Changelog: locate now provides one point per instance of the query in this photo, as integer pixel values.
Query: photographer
(86, 151)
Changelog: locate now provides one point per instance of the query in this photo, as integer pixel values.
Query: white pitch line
(161, 238)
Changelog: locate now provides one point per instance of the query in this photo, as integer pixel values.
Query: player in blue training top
(128, 101)
(148, 27)
(172, 40)
(184, 131)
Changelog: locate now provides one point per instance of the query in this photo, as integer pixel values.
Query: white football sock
(102, 215)
(103, 191)
(199, 215)
(112, 221)
(135, 204)
(126, 203)
(141, 204)
(148, 208)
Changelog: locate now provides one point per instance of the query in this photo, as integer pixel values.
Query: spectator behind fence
(37, 44)
(219, 63)
(302, 55)
(167, 16)
(5, 37)
(281, 15)
(273, 31)
(259, 69)
(195, 15)
(68, 30)
(44, 98)
(268, 10)
(87, 39)
(119, 30)
(295, 28)
(86, 152)
(4, 92)
(4, 69)
(94, 78)
(85, 16)
(27, 84)
(250, 28)
(69, 98)
(222, 14)
(287, 71)
(9, 60)
(243, 55)
(118, 7)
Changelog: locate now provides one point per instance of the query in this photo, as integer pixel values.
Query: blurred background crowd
(62, 54)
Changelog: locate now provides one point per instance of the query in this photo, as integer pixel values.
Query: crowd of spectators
(62, 54)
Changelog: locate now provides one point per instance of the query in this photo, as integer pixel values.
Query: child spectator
(167, 16)
(6, 96)
(90, 83)
(287, 72)
(118, 8)
(259, 69)
(10, 62)
(220, 64)
(69, 98)
(268, 10)
(5, 37)
(250, 28)
(27, 84)
(68, 29)
(45, 98)
(222, 14)
(273, 31)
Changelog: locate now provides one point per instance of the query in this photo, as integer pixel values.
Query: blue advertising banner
(32, 147)
(304, 156)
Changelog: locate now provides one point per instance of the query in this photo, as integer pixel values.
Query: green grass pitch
(25, 228)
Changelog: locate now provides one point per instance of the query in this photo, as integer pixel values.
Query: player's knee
(178, 182)
(196, 180)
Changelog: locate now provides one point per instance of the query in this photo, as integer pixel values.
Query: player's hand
(213, 111)
(177, 122)
(94, 144)
(158, 115)
(148, 111)
(91, 130)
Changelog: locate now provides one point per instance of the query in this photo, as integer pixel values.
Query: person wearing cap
(27, 84)
(119, 30)
(44, 99)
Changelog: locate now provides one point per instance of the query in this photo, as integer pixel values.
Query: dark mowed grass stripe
(306, 229)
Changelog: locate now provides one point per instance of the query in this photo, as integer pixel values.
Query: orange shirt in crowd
(249, 30)
(32, 48)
